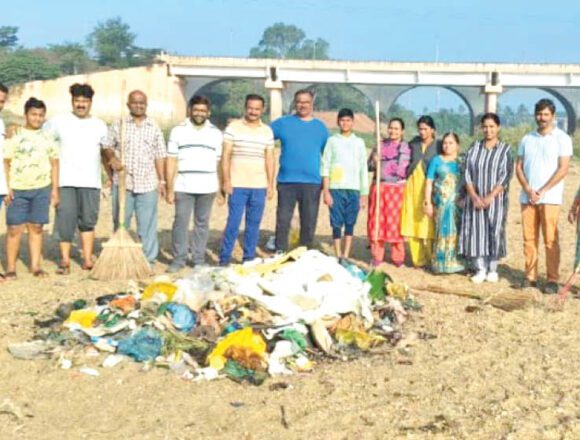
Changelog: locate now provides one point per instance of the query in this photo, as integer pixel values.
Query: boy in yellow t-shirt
(31, 164)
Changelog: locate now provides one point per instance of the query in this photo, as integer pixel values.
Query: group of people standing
(449, 208)
(452, 208)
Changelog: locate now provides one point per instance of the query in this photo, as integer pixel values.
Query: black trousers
(307, 195)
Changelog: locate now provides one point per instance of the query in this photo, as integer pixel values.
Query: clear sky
(512, 31)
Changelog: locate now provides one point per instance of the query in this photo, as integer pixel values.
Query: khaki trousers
(534, 219)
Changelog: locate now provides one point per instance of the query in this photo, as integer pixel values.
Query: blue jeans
(144, 206)
(251, 200)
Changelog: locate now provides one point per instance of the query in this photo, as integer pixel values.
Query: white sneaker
(492, 277)
(478, 278)
(271, 244)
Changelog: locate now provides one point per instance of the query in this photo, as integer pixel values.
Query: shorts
(29, 206)
(344, 211)
(78, 207)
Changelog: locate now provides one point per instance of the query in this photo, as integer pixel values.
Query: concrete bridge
(172, 80)
(478, 85)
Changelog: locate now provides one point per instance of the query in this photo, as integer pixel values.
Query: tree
(71, 58)
(112, 42)
(333, 97)
(8, 37)
(140, 56)
(24, 65)
(228, 97)
(288, 41)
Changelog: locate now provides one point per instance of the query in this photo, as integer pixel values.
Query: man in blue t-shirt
(302, 139)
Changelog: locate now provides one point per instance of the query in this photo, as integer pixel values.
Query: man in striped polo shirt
(248, 177)
(193, 154)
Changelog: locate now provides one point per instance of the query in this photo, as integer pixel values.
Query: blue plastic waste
(182, 316)
(354, 270)
(144, 345)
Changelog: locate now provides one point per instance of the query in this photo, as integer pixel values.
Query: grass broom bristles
(507, 301)
(121, 259)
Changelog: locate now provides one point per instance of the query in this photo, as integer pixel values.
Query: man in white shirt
(543, 159)
(193, 179)
(80, 136)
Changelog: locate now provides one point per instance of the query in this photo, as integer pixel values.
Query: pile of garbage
(246, 322)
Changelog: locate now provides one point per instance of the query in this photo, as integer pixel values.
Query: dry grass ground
(486, 375)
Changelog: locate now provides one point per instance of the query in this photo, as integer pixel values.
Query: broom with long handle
(377, 172)
(121, 258)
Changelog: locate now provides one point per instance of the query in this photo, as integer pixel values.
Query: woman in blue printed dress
(442, 193)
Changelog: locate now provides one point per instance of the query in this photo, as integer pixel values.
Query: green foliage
(449, 120)
(228, 97)
(8, 37)
(288, 41)
(24, 65)
(112, 42)
(408, 116)
(333, 97)
(71, 58)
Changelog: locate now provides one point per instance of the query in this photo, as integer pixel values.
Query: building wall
(166, 94)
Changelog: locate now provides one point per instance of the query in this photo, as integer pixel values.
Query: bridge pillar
(276, 105)
(492, 91)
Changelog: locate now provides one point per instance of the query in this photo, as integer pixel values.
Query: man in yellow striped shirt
(248, 176)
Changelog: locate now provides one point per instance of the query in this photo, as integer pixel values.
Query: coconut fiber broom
(122, 258)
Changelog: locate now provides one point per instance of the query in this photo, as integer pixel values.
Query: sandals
(63, 269)
(87, 267)
(10, 276)
(39, 273)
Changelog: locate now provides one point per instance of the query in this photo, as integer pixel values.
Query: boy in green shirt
(31, 164)
(345, 181)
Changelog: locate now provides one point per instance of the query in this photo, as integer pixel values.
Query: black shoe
(528, 283)
(551, 288)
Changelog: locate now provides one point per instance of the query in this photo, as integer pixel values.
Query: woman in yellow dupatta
(416, 227)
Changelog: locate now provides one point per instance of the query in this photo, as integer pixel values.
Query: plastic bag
(298, 340)
(364, 341)
(126, 304)
(377, 280)
(85, 318)
(182, 317)
(144, 345)
(238, 373)
(164, 291)
(242, 338)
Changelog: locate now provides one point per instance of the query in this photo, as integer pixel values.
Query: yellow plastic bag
(242, 338)
(85, 318)
(399, 291)
(364, 341)
(159, 287)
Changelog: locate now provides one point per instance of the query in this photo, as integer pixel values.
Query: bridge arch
(326, 97)
(227, 95)
(464, 100)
